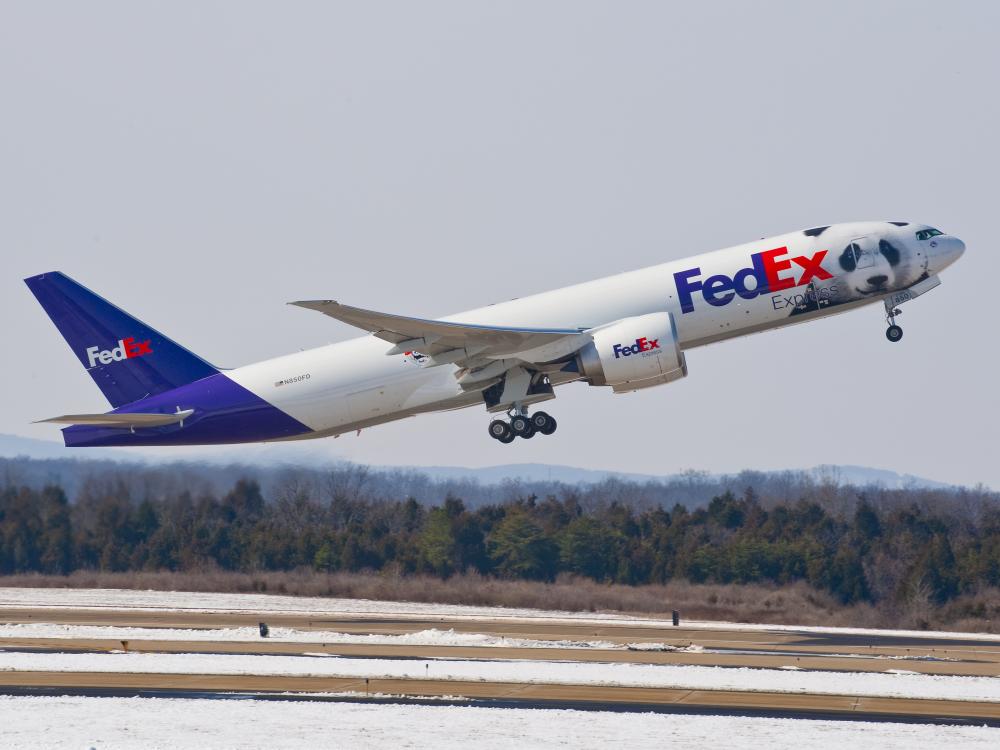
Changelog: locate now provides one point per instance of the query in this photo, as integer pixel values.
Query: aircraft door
(864, 252)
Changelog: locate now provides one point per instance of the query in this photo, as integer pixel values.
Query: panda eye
(889, 251)
(848, 260)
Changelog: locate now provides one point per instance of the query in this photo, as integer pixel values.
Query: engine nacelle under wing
(634, 353)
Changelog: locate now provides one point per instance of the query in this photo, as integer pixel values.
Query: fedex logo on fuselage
(126, 349)
(769, 271)
(640, 345)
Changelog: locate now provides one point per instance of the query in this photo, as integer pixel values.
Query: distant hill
(276, 455)
(863, 476)
(857, 475)
(14, 445)
(529, 473)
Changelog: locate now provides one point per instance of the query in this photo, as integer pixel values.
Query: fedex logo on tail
(640, 345)
(126, 349)
(769, 271)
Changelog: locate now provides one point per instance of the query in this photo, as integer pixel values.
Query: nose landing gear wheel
(894, 333)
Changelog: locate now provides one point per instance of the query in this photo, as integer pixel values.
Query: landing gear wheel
(894, 333)
(500, 430)
(543, 423)
(520, 425)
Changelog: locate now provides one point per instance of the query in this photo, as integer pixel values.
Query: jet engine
(633, 353)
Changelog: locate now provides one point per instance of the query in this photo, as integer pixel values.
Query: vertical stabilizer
(127, 359)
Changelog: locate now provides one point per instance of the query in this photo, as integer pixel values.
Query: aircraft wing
(445, 341)
(123, 420)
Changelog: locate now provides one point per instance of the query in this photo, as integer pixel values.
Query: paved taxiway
(513, 694)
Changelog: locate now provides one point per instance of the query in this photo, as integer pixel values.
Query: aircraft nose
(948, 250)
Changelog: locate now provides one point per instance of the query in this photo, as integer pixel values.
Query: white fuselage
(353, 384)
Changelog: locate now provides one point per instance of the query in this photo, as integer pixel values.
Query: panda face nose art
(877, 281)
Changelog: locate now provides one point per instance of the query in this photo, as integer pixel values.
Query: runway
(730, 648)
(718, 646)
(513, 695)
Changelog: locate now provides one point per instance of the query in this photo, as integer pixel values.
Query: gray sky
(201, 164)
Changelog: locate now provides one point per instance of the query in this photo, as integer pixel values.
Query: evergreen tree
(588, 547)
(437, 542)
(520, 549)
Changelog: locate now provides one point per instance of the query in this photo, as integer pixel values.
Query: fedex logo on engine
(126, 349)
(640, 346)
(769, 271)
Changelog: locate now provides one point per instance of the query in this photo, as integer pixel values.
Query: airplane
(625, 333)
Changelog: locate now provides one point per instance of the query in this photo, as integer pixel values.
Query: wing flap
(122, 420)
(434, 337)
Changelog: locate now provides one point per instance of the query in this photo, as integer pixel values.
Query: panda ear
(847, 259)
(889, 251)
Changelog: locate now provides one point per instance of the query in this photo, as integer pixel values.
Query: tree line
(833, 486)
(863, 554)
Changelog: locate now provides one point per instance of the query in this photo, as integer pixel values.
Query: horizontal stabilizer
(433, 337)
(123, 420)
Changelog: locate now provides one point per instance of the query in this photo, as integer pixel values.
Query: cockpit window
(926, 234)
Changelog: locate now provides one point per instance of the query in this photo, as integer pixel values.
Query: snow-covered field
(267, 603)
(430, 637)
(83, 722)
(518, 671)
(211, 602)
(149, 723)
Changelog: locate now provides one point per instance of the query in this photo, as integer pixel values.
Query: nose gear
(894, 332)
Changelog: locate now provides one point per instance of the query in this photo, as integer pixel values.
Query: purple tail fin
(126, 358)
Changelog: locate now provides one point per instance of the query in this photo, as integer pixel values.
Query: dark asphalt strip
(616, 707)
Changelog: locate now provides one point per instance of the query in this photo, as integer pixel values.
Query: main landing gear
(521, 425)
(894, 333)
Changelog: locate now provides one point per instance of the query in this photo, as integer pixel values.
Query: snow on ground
(212, 602)
(518, 671)
(431, 637)
(71, 722)
(267, 603)
(691, 649)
